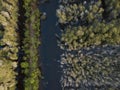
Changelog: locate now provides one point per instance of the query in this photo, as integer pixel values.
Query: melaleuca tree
(98, 33)
(8, 43)
(88, 15)
(91, 25)
(88, 69)
(81, 13)
(112, 9)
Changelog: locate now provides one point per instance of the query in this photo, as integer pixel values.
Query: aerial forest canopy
(31, 43)
(90, 38)
(13, 41)
(89, 41)
(89, 23)
(8, 43)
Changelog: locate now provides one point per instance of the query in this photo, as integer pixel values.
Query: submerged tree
(93, 69)
(91, 41)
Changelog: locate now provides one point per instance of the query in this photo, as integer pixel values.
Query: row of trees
(8, 44)
(31, 43)
(90, 38)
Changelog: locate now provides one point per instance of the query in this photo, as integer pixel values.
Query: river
(49, 51)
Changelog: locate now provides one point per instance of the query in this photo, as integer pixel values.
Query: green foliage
(112, 9)
(31, 43)
(1, 5)
(91, 28)
(8, 44)
(78, 12)
(95, 69)
(97, 34)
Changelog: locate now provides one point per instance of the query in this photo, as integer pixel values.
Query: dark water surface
(49, 51)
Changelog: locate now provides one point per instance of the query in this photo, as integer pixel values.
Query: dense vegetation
(97, 68)
(8, 44)
(31, 43)
(95, 34)
(90, 39)
(92, 28)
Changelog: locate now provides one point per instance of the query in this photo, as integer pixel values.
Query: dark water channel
(49, 51)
